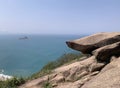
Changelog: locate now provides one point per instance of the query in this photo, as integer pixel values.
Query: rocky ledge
(100, 70)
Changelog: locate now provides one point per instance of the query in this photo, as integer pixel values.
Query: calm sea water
(25, 57)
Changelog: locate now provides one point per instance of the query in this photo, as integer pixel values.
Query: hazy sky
(59, 16)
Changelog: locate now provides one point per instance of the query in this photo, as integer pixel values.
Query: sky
(59, 16)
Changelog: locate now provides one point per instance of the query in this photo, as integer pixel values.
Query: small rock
(58, 79)
(96, 66)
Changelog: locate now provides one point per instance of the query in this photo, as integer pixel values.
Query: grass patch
(47, 85)
(66, 58)
(12, 83)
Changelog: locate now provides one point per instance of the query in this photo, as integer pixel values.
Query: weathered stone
(94, 73)
(35, 83)
(96, 66)
(58, 79)
(76, 70)
(82, 74)
(73, 75)
(104, 53)
(88, 44)
(54, 85)
(66, 85)
(109, 77)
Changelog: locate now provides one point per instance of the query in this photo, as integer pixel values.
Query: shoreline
(4, 77)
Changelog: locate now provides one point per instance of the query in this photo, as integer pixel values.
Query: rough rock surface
(88, 44)
(101, 70)
(109, 77)
(104, 53)
(69, 74)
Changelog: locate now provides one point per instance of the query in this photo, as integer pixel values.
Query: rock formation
(104, 53)
(101, 70)
(88, 44)
(109, 77)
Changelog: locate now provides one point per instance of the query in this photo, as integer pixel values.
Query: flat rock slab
(87, 44)
(104, 53)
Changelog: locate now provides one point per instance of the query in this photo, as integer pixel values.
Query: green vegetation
(47, 85)
(12, 83)
(64, 59)
(47, 69)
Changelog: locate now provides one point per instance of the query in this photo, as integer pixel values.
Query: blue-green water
(25, 57)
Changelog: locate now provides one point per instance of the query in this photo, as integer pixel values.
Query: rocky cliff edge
(100, 70)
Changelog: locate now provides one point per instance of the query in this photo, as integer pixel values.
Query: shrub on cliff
(64, 59)
(12, 83)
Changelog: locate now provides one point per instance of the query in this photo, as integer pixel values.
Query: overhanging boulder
(87, 44)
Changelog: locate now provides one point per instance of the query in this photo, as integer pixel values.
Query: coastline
(4, 77)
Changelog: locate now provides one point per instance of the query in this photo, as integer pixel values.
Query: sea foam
(4, 77)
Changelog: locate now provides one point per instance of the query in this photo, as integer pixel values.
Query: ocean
(23, 57)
